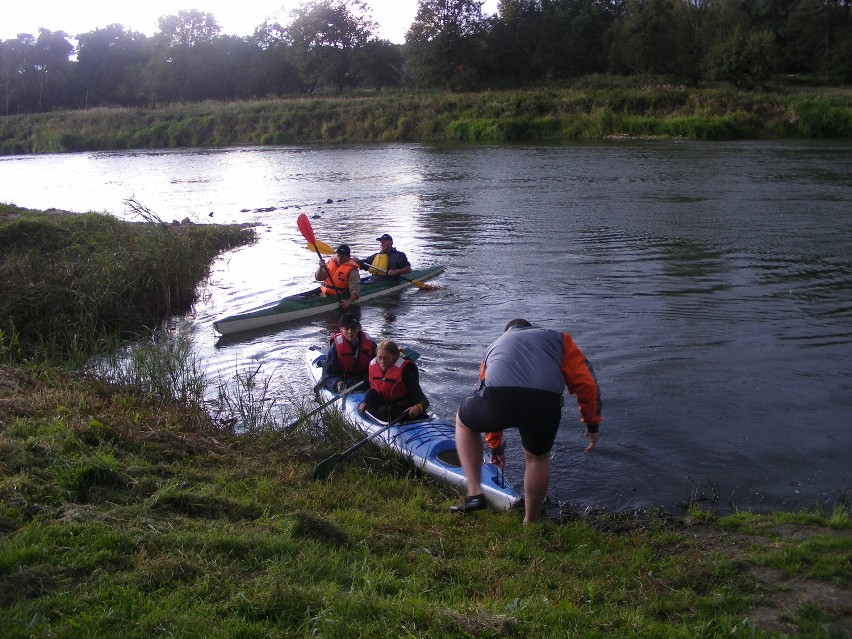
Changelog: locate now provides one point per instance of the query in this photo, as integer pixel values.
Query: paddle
(321, 247)
(421, 285)
(325, 467)
(342, 394)
(307, 230)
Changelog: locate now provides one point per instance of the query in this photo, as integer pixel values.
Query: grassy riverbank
(127, 512)
(129, 517)
(590, 109)
(72, 283)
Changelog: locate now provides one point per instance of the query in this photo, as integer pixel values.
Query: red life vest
(338, 276)
(346, 353)
(388, 384)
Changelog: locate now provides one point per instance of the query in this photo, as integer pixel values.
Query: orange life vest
(388, 384)
(346, 353)
(337, 280)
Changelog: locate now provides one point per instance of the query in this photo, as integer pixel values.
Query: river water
(710, 284)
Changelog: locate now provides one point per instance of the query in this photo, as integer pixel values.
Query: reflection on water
(709, 284)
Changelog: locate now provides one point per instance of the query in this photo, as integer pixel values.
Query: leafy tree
(816, 38)
(17, 74)
(444, 44)
(515, 43)
(743, 59)
(274, 67)
(575, 36)
(181, 67)
(381, 64)
(654, 37)
(51, 60)
(187, 29)
(109, 63)
(325, 34)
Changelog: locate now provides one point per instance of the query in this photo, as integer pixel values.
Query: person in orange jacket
(340, 277)
(523, 375)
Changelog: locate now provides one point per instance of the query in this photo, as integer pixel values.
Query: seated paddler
(348, 358)
(340, 277)
(394, 386)
(388, 262)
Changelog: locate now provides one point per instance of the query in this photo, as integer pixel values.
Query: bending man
(522, 377)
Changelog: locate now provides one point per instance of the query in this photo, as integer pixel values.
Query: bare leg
(536, 479)
(469, 447)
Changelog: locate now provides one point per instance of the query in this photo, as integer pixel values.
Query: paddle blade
(305, 227)
(424, 286)
(326, 466)
(320, 246)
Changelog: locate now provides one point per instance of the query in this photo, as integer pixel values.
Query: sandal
(470, 503)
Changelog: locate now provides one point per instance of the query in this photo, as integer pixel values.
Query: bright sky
(235, 17)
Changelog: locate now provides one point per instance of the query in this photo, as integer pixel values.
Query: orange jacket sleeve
(495, 442)
(580, 379)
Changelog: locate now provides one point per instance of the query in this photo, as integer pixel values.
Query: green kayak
(311, 302)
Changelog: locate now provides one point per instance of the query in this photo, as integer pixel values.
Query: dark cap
(384, 237)
(348, 320)
(343, 249)
(518, 322)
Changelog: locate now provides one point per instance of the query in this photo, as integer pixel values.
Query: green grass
(122, 529)
(589, 108)
(128, 511)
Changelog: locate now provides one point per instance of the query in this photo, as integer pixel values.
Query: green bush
(824, 119)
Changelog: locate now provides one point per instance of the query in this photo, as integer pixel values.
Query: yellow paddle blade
(423, 285)
(322, 247)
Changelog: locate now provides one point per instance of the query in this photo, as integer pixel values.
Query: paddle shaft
(342, 394)
(325, 467)
(415, 282)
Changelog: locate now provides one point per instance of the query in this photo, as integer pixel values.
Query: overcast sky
(234, 16)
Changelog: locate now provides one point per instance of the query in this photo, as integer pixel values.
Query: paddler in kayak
(388, 262)
(394, 385)
(340, 277)
(349, 355)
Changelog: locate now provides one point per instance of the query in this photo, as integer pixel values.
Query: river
(710, 285)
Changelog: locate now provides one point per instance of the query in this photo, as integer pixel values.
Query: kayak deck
(429, 444)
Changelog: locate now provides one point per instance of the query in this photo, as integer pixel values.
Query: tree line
(331, 45)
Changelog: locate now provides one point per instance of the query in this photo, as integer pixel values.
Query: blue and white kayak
(429, 443)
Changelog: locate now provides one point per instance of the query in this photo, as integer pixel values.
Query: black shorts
(536, 422)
